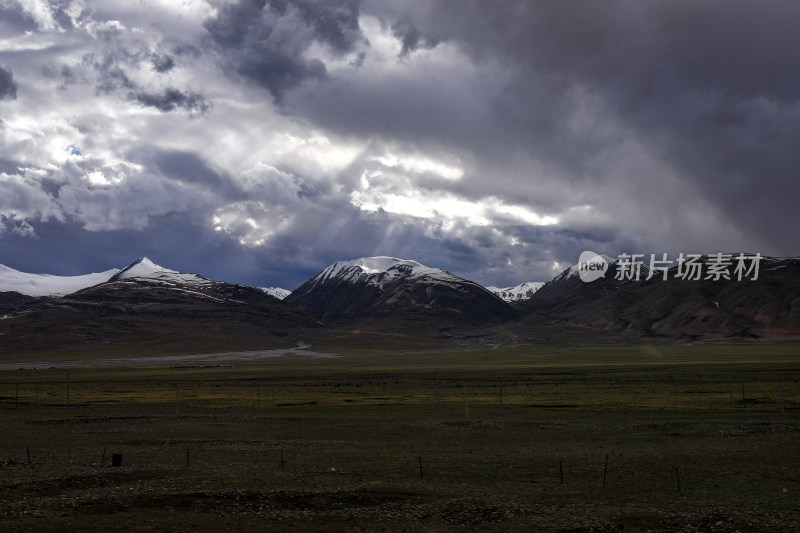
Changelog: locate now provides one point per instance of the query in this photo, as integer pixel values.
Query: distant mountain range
(147, 307)
(523, 291)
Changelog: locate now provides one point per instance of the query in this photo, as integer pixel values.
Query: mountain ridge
(383, 288)
(768, 307)
(390, 295)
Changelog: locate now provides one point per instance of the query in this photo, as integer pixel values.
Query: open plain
(523, 437)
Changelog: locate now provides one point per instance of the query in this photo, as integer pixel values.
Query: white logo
(591, 266)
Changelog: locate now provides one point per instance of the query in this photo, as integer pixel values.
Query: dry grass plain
(702, 437)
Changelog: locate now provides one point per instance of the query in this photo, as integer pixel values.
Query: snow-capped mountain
(148, 307)
(46, 284)
(277, 292)
(387, 287)
(146, 269)
(379, 271)
(523, 291)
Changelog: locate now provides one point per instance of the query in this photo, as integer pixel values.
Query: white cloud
(483, 140)
(39, 11)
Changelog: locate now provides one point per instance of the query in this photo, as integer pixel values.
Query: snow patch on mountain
(380, 270)
(47, 284)
(523, 291)
(277, 292)
(145, 269)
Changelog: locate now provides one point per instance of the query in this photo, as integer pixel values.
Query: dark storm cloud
(54, 249)
(163, 63)
(411, 37)
(14, 20)
(188, 167)
(58, 9)
(8, 88)
(335, 22)
(631, 126)
(110, 71)
(9, 166)
(710, 90)
(172, 99)
(265, 42)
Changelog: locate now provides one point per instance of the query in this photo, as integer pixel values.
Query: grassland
(701, 437)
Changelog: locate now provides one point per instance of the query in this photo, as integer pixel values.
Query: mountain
(768, 306)
(523, 291)
(144, 268)
(277, 292)
(46, 284)
(152, 309)
(397, 293)
(14, 302)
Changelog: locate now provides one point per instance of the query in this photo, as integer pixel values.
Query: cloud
(8, 89)
(697, 95)
(495, 139)
(163, 63)
(268, 43)
(172, 99)
(411, 37)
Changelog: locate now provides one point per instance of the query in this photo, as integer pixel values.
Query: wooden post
(678, 478)
(187, 457)
(501, 392)
(177, 397)
(744, 402)
(605, 471)
(561, 471)
(259, 394)
(36, 393)
(103, 458)
(283, 465)
(420, 467)
(28, 451)
(16, 402)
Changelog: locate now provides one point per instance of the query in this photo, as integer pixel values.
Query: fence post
(744, 402)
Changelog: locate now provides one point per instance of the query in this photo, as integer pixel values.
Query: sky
(257, 141)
